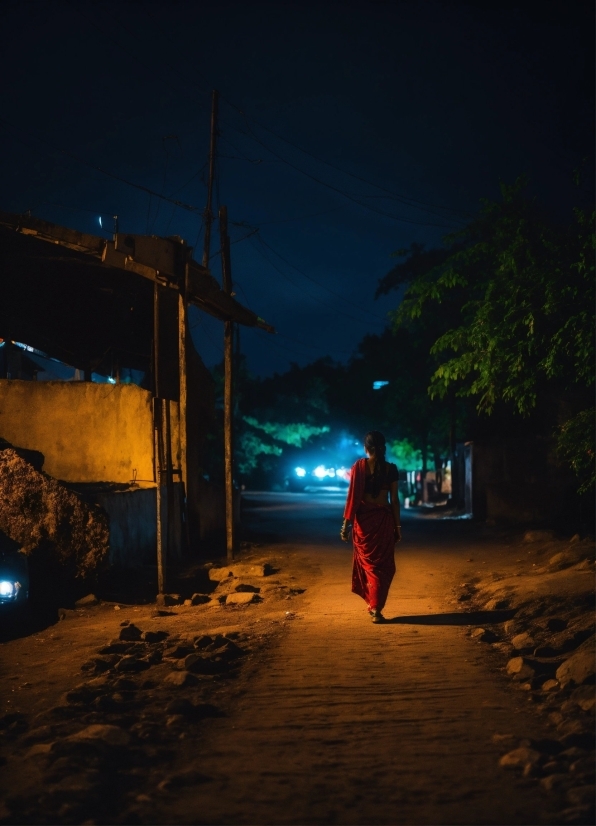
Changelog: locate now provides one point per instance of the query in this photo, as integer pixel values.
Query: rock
(131, 664)
(579, 668)
(198, 664)
(39, 750)
(550, 685)
(86, 602)
(178, 651)
(204, 641)
(167, 600)
(583, 766)
(215, 603)
(155, 636)
(241, 598)
(553, 782)
(180, 679)
(523, 643)
(519, 758)
(538, 536)
(117, 608)
(130, 633)
(584, 697)
(180, 706)
(187, 602)
(66, 613)
(111, 735)
(199, 599)
(243, 587)
(575, 538)
(246, 570)
(100, 664)
(218, 574)
(581, 795)
(519, 669)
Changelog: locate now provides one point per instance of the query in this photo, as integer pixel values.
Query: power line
(301, 289)
(332, 292)
(153, 193)
(333, 188)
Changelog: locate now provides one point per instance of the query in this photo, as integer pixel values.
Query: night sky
(347, 131)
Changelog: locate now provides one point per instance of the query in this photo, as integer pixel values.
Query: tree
(518, 291)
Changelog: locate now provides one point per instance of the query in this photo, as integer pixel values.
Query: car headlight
(7, 589)
(300, 471)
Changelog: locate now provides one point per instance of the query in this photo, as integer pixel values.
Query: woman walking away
(372, 507)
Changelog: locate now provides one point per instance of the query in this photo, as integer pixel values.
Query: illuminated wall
(87, 432)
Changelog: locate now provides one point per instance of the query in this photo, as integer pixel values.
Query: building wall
(87, 432)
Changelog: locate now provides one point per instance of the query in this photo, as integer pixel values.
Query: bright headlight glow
(299, 471)
(320, 472)
(6, 588)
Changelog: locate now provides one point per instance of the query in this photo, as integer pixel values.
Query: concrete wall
(87, 432)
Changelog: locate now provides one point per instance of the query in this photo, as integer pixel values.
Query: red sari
(373, 536)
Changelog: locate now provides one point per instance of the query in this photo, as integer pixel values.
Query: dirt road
(348, 722)
(330, 719)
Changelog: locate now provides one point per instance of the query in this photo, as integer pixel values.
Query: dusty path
(347, 722)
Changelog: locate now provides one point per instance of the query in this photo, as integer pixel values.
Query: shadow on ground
(454, 618)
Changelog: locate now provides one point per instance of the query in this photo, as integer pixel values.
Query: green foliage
(249, 450)
(516, 294)
(296, 433)
(405, 454)
(575, 446)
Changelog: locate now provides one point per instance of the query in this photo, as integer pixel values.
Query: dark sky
(348, 130)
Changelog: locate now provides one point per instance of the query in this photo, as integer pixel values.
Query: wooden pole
(158, 446)
(182, 333)
(228, 384)
(208, 214)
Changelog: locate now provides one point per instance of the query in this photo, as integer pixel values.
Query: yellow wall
(87, 432)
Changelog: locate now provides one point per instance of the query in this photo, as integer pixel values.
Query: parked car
(300, 478)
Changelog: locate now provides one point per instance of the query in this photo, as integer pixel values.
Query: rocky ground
(547, 650)
(245, 698)
(100, 716)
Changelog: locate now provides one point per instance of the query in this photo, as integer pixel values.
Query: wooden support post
(208, 214)
(228, 385)
(183, 443)
(158, 450)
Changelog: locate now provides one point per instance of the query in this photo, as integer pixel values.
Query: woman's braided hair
(374, 442)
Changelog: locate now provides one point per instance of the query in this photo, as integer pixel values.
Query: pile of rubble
(547, 650)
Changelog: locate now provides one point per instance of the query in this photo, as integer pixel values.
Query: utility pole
(228, 383)
(212, 149)
(158, 444)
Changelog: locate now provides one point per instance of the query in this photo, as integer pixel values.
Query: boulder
(217, 574)
(167, 600)
(550, 685)
(523, 643)
(519, 758)
(180, 679)
(199, 599)
(584, 697)
(242, 598)
(198, 664)
(130, 633)
(131, 664)
(247, 570)
(580, 667)
(520, 669)
(243, 587)
(112, 735)
(86, 602)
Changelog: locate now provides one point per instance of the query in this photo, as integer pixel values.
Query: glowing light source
(320, 472)
(6, 588)
(378, 384)
(111, 380)
(100, 224)
(299, 471)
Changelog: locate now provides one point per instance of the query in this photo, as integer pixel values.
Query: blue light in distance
(378, 384)
(299, 471)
